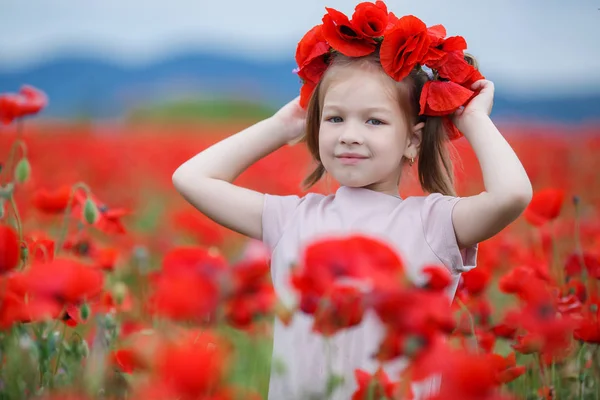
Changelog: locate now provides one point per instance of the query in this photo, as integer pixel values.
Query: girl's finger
(481, 84)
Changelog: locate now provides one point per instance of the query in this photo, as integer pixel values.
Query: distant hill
(94, 88)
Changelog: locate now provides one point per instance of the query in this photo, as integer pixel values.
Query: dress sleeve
(436, 216)
(277, 214)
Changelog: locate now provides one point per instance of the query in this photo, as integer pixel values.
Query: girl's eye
(375, 121)
(335, 119)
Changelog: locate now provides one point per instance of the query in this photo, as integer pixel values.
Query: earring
(411, 161)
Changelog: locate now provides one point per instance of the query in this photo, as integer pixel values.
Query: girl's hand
(481, 104)
(292, 119)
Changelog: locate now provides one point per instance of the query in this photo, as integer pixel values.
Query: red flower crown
(404, 44)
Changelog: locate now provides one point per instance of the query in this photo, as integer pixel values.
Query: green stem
(543, 372)
(60, 350)
(18, 143)
(471, 321)
(555, 266)
(65, 221)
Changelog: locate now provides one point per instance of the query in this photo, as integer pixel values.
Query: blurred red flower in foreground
(251, 293)
(52, 201)
(544, 206)
(64, 280)
(10, 250)
(374, 386)
(28, 101)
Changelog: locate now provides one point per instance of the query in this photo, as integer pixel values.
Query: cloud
(530, 45)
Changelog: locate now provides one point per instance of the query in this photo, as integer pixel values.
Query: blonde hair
(434, 163)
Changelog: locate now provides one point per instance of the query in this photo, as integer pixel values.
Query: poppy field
(113, 287)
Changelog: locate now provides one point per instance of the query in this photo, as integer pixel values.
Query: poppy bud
(6, 191)
(90, 212)
(82, 349)
(1, 207)
(119, 291)
(412, 345)
(24, 253)
(22, 170)
(84, 311)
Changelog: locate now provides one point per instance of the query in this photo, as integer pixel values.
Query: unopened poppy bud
(413, 345)
(6, 191)
(119, 292)
(22, 170)
(24, 253)
(83, 349)
(84, 311)
(90, 212)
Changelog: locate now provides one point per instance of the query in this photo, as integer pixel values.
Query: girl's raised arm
(205, 179)
(507, 187)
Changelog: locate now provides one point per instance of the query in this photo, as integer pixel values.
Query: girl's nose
(351, 136)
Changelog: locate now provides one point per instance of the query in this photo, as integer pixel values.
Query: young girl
(373, 109)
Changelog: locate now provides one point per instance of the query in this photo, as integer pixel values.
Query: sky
(528, 45)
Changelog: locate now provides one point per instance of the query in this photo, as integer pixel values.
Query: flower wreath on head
(404, 44)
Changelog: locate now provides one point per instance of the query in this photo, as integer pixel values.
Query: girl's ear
(413, 141)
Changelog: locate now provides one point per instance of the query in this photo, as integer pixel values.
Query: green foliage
(229, 110)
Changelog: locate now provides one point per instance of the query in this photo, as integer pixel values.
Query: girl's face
(363, 133)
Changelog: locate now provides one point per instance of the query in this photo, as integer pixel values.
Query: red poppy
(476, 280)
(438, 277)
(569, 305)
(451, 129)
(10, 250)
(65, 280)
(183, 296)
(109, 219)
(341, 308)
(528, 344)
(201, 261)
(375, 386)
(440, 98)
(413, 311)
(18, 308)
(588, 329)
(344, 37)
(125, 360)
(193, 368)
(28, 101)
(505, 329)
(576, 287)
(370, 20)
(306, 92)
(52, 201)
(310, 55)
(545, 206)
(251, 293)
(404, 46)
(40, 248)
(441, 46)
(591, 262)
(468, 376)
(506, 368)
(106, 258)
(455, 68)
(545, 327)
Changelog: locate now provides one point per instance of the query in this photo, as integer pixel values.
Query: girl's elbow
(518, 200)
(179, 178)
